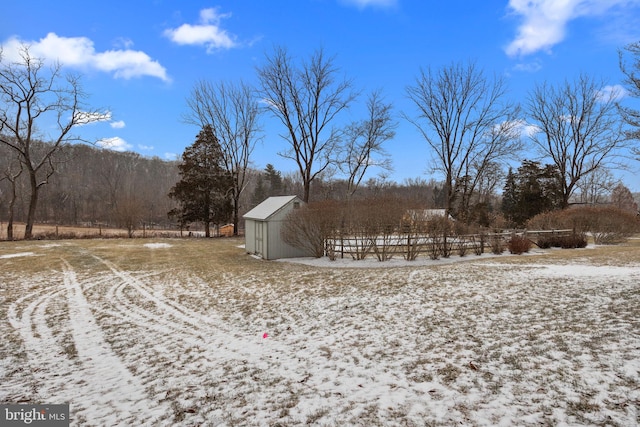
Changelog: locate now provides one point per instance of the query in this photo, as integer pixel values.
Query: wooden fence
(410, 246)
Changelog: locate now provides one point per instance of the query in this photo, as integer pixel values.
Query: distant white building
(262, 228)
(427, 214)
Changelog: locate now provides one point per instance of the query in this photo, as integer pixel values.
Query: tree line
(103, 188)
(463, 115)
(90, 187)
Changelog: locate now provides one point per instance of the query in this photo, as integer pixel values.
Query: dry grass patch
(534, 339)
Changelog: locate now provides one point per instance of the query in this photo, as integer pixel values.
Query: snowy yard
(178, 332)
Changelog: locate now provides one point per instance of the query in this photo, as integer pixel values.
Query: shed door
(258, 237)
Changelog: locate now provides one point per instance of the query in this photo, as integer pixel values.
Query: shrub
(308, 227)
(518, 244)
(607, 224)
(479, 241)
(497, 244)
(545, 242)
(439, 231)
(462, 246)
(576, 240)
(573, 241)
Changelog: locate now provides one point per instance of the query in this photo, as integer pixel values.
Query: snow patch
(475, 343)
(157, 245)
(20, 254)
(372, 262)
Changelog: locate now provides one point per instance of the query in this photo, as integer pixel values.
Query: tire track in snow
(171, 316)
(175, 310)
(111, 392)
(92, 378)
(47, 361)
(179, 324)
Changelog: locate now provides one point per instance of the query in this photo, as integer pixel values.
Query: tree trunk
(10, 226)
(449, 195)
(12, 203)
(10, 221)
(236, 208)
(33, 202)
(307, 188)
(207, 229)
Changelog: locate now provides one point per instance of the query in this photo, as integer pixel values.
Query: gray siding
(263, 225)
(250, 236)
(277, 248)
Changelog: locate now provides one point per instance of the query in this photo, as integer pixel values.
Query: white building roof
(269, 207)
(426, 214)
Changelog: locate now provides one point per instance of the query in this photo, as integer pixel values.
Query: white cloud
(127, 64)
(528, 67)
(612, 93)
(124, 42)
(528, 130)
(171, 156)
(206, 33)
(79, 52)
(116, 144)
(145, 147)
(117, 124)
(361, 4)
(522, 129)
(545, 21)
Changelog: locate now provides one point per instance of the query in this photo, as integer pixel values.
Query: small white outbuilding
(262, 228)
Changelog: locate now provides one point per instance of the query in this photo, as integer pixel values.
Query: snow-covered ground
(482, 342)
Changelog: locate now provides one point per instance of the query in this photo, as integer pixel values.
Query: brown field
(50, 231)
(192, 332)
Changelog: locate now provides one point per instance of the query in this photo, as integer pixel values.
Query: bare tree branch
(579, 128)
(632, 84)
(306, 100)
(467, 123)
(32, 95)
(363, 141)
(232, 111)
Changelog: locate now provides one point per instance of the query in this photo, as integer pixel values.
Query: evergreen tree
(259, 193)
(510, 197)
(531, 190)
(274, 178)
(203, 191)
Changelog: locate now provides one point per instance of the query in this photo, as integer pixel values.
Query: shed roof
(269, 207)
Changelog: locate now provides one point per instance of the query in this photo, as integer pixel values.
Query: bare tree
(596, 186)
(363, 142)
(622, 198)
(579, 128)
(306, 99)
(632, 85)
(32, 94)
(128, 212)
(116, 173)
(12, 172)
(467, 122)
(232, 112)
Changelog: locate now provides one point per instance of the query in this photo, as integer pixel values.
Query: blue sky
(140, 59)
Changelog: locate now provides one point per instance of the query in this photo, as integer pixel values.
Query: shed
(226, 230)
(262, 228)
